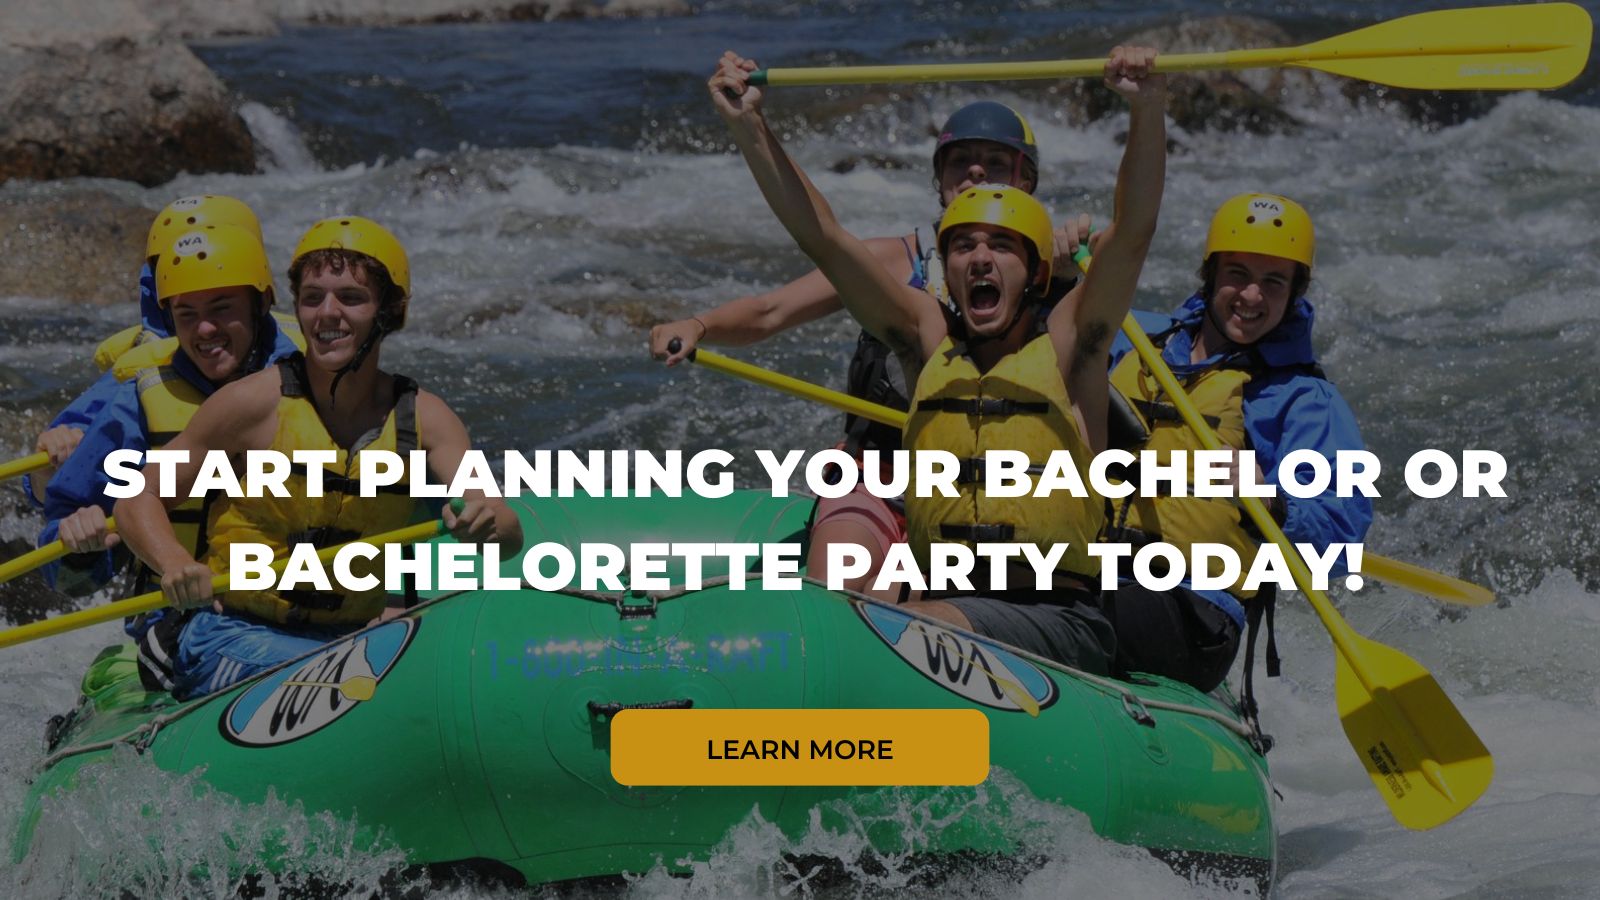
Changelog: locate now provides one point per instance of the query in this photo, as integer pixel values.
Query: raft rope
(143, 735)
(1136, 706)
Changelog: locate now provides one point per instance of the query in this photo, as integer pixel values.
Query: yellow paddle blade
(1425, 582)
(23, 466)
(1424, 758)
(1534, 46)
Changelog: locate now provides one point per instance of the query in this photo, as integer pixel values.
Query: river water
(562, 186)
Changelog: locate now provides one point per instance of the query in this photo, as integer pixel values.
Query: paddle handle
(1007, 71)
(1423, 581)
(42, 556)
(793, 386)
(156, 600)
(1341, 632)
(31, 463)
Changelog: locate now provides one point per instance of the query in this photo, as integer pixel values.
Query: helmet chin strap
(355, 362)
(258, 349)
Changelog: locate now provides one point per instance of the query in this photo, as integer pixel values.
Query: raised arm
(891, 311)
(1086, 324)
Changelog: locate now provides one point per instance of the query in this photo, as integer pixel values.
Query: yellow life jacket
(168, 401)
(341, 514)
(1218, 393)
(1020, 404)
(111, 350)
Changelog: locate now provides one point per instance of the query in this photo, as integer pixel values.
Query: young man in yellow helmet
(216, 290)
(1000, 371)
(351, 282)
(178, 218)
(1242, 348)
(981, 143)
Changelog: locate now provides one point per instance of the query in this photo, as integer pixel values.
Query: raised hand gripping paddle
(1536, 46)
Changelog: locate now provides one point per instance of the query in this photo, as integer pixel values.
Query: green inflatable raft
(475, 730)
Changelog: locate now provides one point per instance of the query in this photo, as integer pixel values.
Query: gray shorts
(1077, 633)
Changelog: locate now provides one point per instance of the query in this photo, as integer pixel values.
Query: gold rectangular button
(800, 747)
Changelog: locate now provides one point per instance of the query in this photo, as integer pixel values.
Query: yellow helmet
(1265, 224)
(1007, 207)
(187, 213)
(362, 235)
(209, 257)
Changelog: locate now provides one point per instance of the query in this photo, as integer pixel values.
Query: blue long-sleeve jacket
(120, 425)
(1285, 409)
(81, 413)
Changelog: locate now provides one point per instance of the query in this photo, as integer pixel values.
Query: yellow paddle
(1535, 46)
(42, 556)
(1436, 585)
(1424, 581)
(1425, 759)
(24, 465)
(155, 599)
(356, 687)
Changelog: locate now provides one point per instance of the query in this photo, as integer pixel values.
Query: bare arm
(890, 310)
(756, 317)
(239, 417)
(1084, 323)
(1087, 323)
(484, 518)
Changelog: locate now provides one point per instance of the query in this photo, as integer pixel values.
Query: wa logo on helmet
(190, 244)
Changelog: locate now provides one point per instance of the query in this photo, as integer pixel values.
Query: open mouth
(983, 297)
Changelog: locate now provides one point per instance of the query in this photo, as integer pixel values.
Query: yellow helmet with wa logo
(211, 257)
(1007, 207)
(188, 213)
(362, 235)
(1263, 223)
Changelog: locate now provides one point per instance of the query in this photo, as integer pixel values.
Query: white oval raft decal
(959, 663)
(308, 697)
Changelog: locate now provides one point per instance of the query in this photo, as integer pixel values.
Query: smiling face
(987, 270)
(1250, 296)
(965, 164)
(337, 311)
(216, 329)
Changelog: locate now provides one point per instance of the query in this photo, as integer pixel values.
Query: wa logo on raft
(959, 663)
(311, 695)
